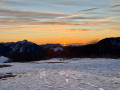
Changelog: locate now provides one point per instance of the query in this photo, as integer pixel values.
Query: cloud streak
(82, 18)
(23, 13)
(74, 15)
(115, 6)
(12, 17)
(32, 22)
(78, 14)
(38, 30)
(91, 9)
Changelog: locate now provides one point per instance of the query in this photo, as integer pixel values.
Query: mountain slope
(109, 46)
(26, 47)
(4, 50)
(21, 50)
(105, 48)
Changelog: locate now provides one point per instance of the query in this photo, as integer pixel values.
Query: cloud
(71, 16)
(44, 29)
(32, 22)
(65, 30)
(114, 29)
(102, 24)
(77, 14)
(12, 17)
(17, 19)
(23, 13)
(95, 17)
(115, 6)
(104, 19)
(6, 2)
(91, 9)
(69, 2)
(80, 29)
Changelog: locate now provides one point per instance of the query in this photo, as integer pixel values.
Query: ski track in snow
(73, 74)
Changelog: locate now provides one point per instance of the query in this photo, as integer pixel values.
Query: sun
(63, 43)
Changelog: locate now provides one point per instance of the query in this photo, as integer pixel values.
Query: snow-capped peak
(56, 49)
(24, 42)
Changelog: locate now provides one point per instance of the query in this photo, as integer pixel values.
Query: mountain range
(29, 51)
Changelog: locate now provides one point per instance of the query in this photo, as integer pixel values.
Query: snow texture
(57, 74)
(58, 49)
(3, 59)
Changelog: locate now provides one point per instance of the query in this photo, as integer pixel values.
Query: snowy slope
(72, 74)
(56, 49)
(3, 59)
(23, 46)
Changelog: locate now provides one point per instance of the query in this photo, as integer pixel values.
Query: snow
(58, 49)
(3, 59)
(59, 74)
(21, 46)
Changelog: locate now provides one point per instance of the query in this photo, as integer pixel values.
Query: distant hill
(50, 45)
(108, 47)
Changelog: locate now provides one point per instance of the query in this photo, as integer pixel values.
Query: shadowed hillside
(106, 48)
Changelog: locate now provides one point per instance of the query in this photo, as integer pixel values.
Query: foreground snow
(72, 74)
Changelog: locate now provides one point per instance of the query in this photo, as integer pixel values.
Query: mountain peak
(25, 42)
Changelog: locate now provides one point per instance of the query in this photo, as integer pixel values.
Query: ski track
(73, 74)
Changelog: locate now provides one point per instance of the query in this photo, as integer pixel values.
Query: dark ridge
(23, 51)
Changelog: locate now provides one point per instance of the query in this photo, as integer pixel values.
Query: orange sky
(63, 36)
(59, 21)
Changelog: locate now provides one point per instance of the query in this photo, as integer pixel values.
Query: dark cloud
(91, 9)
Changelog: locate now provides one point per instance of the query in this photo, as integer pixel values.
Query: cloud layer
(53, 17)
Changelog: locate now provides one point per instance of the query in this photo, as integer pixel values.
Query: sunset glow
(59, 21)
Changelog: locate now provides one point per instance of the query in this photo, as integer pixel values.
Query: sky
(59, 21)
